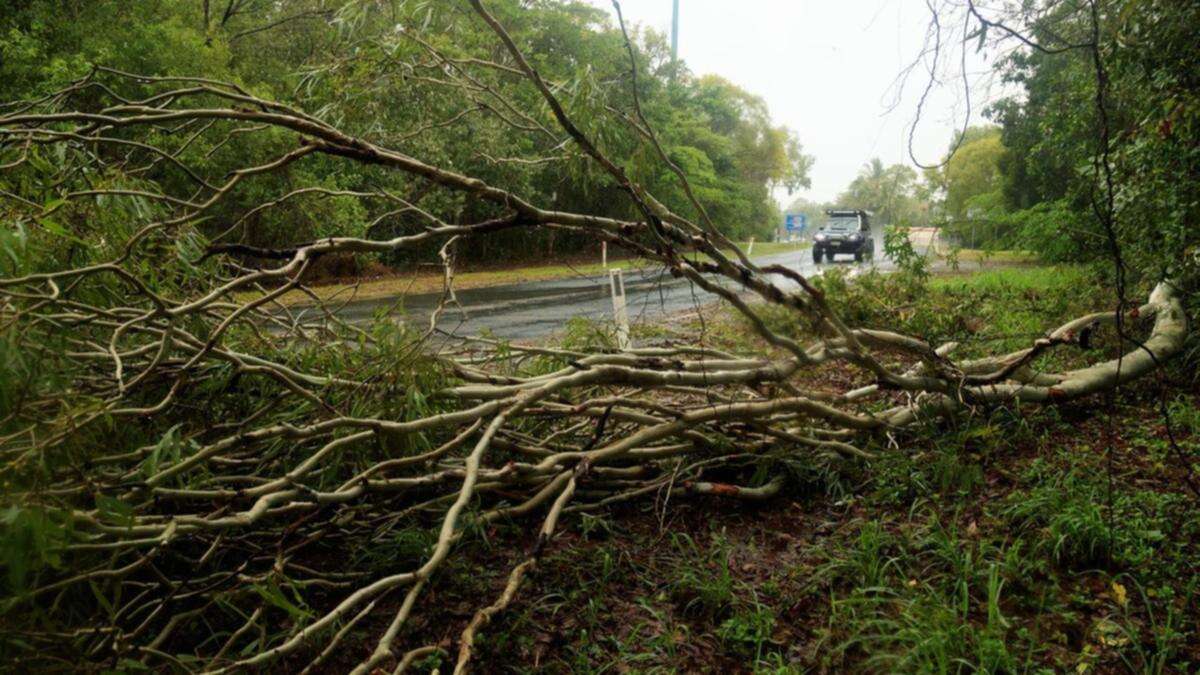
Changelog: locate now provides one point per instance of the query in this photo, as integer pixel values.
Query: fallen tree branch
(206, 458)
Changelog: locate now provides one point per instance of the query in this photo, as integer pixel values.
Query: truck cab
(845, 231)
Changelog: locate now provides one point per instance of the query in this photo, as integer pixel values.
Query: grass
(984, 256)
(1040, 279)
(989, 311)
(1031, 540)
(431, 281)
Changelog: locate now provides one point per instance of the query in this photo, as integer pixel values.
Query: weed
(869, 562)
(587, 335)
(748, 630)
(1163, 621)
(703, 583)
(1065, 514)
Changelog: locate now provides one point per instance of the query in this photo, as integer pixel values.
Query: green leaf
(114, 510)
(272, 594)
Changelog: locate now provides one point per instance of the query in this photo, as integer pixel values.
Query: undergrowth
(1057, 539)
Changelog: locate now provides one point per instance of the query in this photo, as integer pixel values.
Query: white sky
(827, 69)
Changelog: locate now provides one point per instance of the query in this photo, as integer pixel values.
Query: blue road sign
(797, 222)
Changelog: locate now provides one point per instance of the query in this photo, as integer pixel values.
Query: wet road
(535, 309)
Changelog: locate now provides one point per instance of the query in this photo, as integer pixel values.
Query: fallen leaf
(1119, 593)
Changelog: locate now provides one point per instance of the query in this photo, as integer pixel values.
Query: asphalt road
(535, 309)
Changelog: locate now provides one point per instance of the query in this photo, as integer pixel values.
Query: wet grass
(975, 257)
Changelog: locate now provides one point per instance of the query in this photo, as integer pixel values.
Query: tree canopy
(396, 72)
(1105, 121)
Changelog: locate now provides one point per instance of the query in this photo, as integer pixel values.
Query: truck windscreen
(842, 224)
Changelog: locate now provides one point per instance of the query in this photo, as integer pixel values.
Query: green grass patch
(989, 311)
(985, 256)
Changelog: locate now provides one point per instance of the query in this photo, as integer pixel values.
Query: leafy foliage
(1053, 183)
(888, 191)
(371, 68)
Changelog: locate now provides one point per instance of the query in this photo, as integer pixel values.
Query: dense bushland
(368, 68)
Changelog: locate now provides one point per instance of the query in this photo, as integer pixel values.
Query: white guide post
(620, 314)
(750, 247)
(604, 254)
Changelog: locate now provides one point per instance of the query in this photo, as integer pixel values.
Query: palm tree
(887, 191)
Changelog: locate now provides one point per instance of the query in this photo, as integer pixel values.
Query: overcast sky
(827, 69)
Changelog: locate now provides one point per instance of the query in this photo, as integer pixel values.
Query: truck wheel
(817, 256)
(858, 255)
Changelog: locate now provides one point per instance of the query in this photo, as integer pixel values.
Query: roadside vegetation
(1014, 540)
(327, 57)
(1048, 170)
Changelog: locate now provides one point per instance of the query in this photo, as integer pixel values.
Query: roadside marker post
(604, 254)
(750, 247)
(620, 314)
